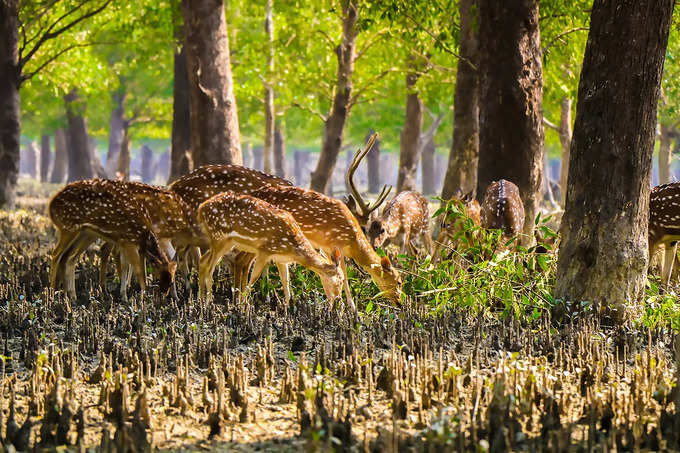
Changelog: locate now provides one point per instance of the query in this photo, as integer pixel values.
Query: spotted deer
(170, 221)
(86, 210)
(329, 225)
(664, 224)
(502, 209)
(452, 226)
(270, 234)
(355, 202)
(405, 218)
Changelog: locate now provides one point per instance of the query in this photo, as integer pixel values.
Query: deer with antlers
(354, 201)
(86, 210)
(452, 225)
(329, 225)
(270, 234)
(664, 225)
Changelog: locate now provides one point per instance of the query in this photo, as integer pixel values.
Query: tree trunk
(45, 157)
(510, 94)
(461, 172)
(410, 135)
(97, 167)
(427, 168)
(115, 133)
(123, 171)
(603, 252)
(257, 158)
(31, 160)
(301, 158)
(268, 91)
(373, 164)
(163, 165)
(215, 137)
(10, 123)
(334, 126)
(565, 142)
(79, 163)
(279, 152)
(148, 168)
(665, 155)
(60, 157)
(180, 152)
(248, 155)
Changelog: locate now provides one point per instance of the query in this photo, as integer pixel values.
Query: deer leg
(348, 291)
(104, 254)
(131, 254)
(258, 267)
(285, 280)
(242, 264)
(668, 259)
(167, 248)
(56, 267)
(124, 273)
(82, 242)
(207, 266)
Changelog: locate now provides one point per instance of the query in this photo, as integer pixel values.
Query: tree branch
(552, 126)
(323, 117)
(357, 94)
(50, 34)
(374, 39)
(546, 49)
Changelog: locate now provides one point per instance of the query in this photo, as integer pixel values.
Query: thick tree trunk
(123, 171)
(45, 157)
(427, 168)
(410, 135)
(510, 94)
(10, 123)
(461, 172)
(603, 252)
(79, 163)
(115, 133)
(665, 155)
(180, 151)
(60, 157)
(373, 164)
(334, 126)
(215, 137)
(565, 142)
(148, 166)
(268, 91)
(31, 160)
(279, 152)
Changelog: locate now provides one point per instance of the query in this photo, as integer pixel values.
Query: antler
(365, 208)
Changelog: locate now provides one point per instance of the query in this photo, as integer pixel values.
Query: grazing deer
(469, 206)
(355, 202)
(502, 209)
(170, 221)
(329, 225)
(86, 210)
(664, 224)
(404, 218)
(271, 234)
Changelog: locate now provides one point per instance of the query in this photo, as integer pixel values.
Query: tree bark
(461, 172)
(10, 122)
(45, 157)
(334, 126)
(60, 157)
(180, 152)
(79, 163)
(603, 252)
(268, 91)
(279, 152)
(565, 142)
(410, 135)
(148, 168)
(115, 132)
(123, 171)
(373, 164)
(665, 155)
(215, 137)
(510, 94)
(427, 168)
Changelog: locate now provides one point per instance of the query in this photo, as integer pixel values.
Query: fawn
(86, 210)
(502, 209)
(271, 234)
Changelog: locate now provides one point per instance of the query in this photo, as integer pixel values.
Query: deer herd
(258, 218)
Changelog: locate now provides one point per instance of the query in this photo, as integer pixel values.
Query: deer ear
(385, 263)
(336, 256)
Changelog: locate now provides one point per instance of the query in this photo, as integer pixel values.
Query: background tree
(511, 128)
(603, 253)
(215, 136)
